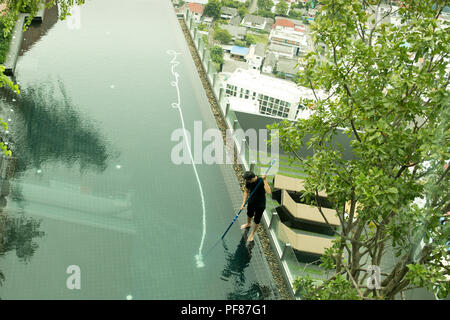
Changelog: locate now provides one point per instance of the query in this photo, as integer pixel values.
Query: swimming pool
(95, 186)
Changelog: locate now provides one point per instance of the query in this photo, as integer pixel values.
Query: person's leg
(250, 214)
(252, 235)
(248, 224)
(258, 215)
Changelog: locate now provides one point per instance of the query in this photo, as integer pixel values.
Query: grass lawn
(261, 38)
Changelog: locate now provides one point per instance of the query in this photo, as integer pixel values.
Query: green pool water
(95, 186)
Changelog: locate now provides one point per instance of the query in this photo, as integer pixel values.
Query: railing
(284, 252)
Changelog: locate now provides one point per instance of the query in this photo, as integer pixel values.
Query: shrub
(223, 36)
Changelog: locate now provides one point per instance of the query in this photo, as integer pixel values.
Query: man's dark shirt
(258, 199)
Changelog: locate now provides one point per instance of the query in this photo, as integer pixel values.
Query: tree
(281, 8)
(243, 11)
(217, 55)
(223, 36)
(15, 7)
(202, 27)
(266, 13)
(232, 4)
(295, 14)
(299, 5)
(240, 43)
(213, 9)
(386, 85)
(250, 39)
(265, 5)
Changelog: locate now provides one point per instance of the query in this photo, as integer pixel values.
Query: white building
(196, 9)
(269, 63)
(257, 22)
(256, 55)
(274, 96)
(282, 23)
(281, 51)
(228, 13)
(292, 39)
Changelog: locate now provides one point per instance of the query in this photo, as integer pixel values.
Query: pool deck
(16, 40)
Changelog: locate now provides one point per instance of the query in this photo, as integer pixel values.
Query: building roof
(230, 66)
(280, 48)
(270, 60)
(243, 105)
(229, 11)
(196, 7)
(292, 24)
(254, 19)
(288, 66)
(235, 21)
(289, 34)
(235, 31)
(270, 86)
(260, 49)
(198, 1)
(255, 121)
(240, 51)
(284, 23)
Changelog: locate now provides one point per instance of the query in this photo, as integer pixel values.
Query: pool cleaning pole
(237, 215)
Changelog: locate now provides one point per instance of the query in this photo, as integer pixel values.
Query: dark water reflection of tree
(47, 129)
(51, 129)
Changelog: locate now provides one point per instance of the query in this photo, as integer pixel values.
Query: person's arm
(266, 185)
(245, 197)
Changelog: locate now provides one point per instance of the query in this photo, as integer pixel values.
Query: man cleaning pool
(257, 202)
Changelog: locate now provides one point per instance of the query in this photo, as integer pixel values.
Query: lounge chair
(303, 242)
(308, 213)
(291, 184)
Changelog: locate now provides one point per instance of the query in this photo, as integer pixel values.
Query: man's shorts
(257, 212)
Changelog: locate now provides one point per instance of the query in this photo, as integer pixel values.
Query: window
(231, 90)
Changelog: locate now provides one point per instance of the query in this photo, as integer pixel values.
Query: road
(252, 8)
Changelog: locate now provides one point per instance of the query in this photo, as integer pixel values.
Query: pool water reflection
(93, 183)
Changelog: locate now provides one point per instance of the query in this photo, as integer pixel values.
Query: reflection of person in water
(239, 261)
(235, 269)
